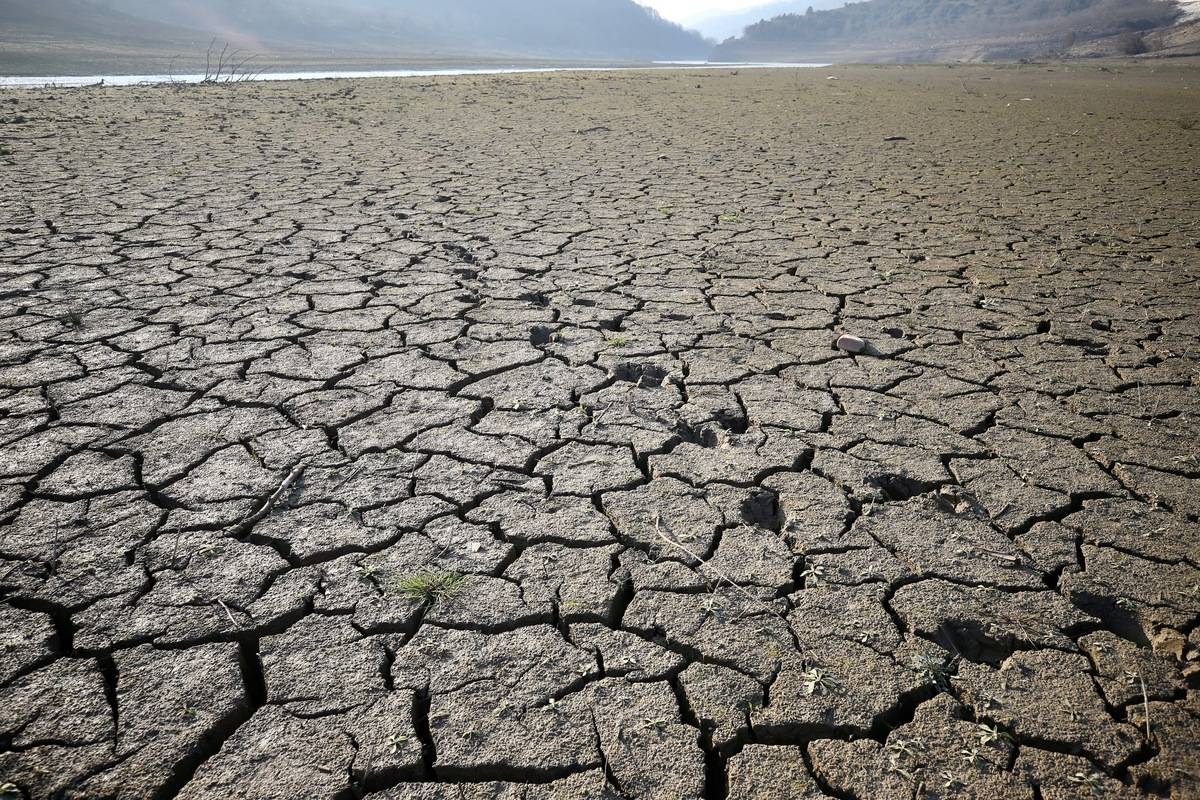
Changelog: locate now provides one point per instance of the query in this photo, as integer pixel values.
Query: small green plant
(666, 211)
(431, 587)
(817, 680)
(989, 734)
(1087, 780)
(971, 755)
(620, 340)
(903, 748)
(730, 218)
(932, 671)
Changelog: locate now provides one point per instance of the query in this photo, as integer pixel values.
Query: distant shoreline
(79, 81)
(39, 57)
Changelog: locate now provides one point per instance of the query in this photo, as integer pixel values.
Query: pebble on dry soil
(851, 344)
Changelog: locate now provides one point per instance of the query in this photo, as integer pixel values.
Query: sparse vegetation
(813, 573)
(990, 734)
(72, 319)
(902, 748)
(225, 66)
(932, 671)
(431, 586)
(899, 24)
(231, 72)
(817, 680)
(620, 340)
(950, 782)
(1131, 44)
(1086, 780)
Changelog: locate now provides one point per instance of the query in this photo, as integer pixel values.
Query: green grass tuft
(430, 586)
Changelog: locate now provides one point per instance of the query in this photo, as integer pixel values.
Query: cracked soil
(485, 437)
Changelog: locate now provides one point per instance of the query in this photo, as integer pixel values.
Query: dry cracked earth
(485, 437)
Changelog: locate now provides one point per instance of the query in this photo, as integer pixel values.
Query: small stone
(850, 344)
(1169, 642)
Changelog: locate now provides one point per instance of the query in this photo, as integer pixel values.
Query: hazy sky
(685, 10)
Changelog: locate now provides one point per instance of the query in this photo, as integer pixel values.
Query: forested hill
(886, 28)
(583, 29)
(721, 25)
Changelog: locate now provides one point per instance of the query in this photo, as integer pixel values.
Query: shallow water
(137, 80)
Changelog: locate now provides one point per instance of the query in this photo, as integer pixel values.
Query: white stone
(851, 344)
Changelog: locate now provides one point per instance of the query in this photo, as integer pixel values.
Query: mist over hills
(576, 29)
(931, 30)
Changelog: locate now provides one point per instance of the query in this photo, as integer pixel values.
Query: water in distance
(137, 80)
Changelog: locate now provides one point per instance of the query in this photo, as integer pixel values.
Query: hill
(930, 30)
(722, 26)
(348, 29)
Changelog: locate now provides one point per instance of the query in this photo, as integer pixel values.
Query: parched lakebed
(486, 437)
